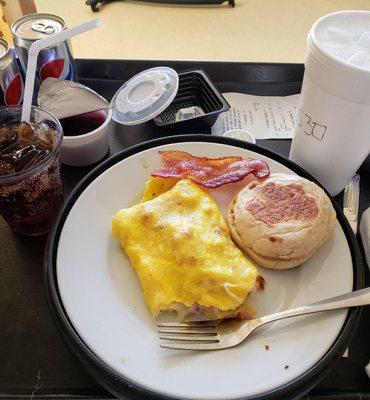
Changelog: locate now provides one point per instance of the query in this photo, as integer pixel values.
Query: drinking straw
(33, 53)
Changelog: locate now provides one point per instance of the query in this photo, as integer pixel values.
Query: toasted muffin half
(281, 221)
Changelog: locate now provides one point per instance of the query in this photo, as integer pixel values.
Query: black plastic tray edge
(96, 68)
(121, 386)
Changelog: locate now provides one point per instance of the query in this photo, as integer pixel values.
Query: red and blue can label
(52, 62)
(11, 82)
(55, 62)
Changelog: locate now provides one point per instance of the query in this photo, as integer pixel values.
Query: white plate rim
(121, 386)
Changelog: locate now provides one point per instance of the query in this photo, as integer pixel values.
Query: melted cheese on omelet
(181, 249)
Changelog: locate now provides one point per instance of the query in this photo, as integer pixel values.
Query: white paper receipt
(265, 117)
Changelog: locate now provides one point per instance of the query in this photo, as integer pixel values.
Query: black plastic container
(195, 89)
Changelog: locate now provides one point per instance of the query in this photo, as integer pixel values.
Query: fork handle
(353, 299)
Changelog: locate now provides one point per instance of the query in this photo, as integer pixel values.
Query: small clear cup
(30, 199)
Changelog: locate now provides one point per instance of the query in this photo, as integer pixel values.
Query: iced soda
(30, 186)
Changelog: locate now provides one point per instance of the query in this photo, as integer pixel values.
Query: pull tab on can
(46, 29)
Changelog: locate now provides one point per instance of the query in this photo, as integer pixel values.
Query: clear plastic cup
(31, 198)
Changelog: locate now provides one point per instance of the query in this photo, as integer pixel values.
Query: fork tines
(197, 335)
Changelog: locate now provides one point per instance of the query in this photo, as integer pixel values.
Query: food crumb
(261, 283)
(267, 347)
(286, 366)
(144, 164)
(122, 359)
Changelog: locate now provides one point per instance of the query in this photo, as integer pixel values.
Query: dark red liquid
(83, 123)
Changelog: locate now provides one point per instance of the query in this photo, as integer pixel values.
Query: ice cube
(25, 157)
(40, 156)
(27, 131)
(359, 58)
(45, 134)
(338, 34)
(22, 151)
(8, 136)
(364, 40)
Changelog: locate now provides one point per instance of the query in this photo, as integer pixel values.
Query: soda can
(55, 61)
(11, 80)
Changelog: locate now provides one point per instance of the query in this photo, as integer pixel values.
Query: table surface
(34, 360)
(255, 30)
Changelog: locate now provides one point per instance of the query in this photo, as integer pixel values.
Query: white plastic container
(240, 134)
(89, 148)
(332, 136)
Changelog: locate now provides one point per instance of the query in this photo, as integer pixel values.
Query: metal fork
(215, 335)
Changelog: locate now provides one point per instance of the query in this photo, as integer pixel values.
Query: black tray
(35, 362)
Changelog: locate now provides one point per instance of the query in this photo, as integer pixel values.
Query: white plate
(102, 298)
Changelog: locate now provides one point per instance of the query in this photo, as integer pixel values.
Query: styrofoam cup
(332, 135)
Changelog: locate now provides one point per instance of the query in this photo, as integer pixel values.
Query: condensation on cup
(332, 136)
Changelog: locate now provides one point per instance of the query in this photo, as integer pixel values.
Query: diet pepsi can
(55, 61)
(11, 80)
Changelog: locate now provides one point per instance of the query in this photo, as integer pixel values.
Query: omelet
(185, 259)
(157, 185)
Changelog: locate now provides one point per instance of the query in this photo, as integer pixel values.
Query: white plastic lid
(240, 134)
(145, 95)
(344, 36)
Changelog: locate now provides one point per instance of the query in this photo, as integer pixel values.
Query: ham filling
(198, 312)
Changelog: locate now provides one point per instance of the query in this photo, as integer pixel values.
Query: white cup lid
(344, 35)
(145, 95)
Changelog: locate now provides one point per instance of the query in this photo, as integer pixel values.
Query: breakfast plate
(96, 299)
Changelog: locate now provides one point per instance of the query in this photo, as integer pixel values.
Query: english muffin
(281, 221)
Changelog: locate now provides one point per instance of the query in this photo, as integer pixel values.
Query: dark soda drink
(30, 185)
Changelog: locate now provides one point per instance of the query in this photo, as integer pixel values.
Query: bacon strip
(209, 172)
